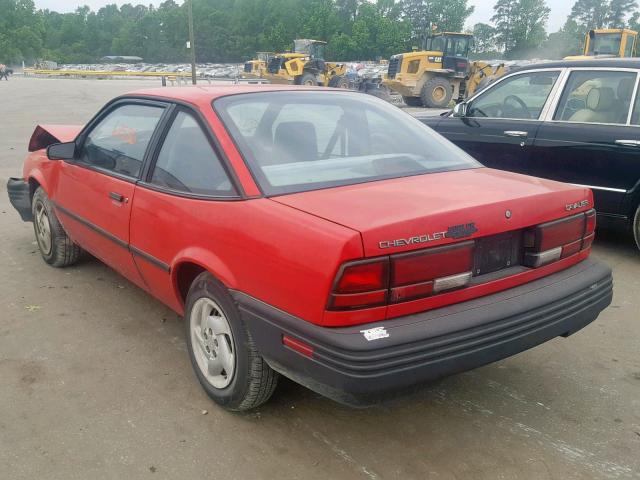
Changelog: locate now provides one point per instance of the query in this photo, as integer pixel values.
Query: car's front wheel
(636, 226)
(221, 349)
(55, 246)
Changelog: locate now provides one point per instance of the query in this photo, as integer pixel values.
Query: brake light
(361, 284)
(402, 277)
(558, 239)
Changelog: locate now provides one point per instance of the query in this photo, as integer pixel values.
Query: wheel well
(33, 186)
(186, 273)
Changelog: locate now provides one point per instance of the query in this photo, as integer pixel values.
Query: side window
(520, 97)
(119, 141)
(187, 162)
(628, 48)
(596, 97)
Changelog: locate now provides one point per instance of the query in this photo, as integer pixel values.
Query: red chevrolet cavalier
(323, 235)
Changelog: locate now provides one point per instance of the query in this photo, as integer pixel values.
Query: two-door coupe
(320, 234)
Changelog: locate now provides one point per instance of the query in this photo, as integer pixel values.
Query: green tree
(484, 36)
(520, 25)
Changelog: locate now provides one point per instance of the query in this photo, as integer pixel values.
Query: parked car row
(576, 122)
(323, 234)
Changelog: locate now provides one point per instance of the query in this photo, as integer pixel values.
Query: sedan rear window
(303, 140)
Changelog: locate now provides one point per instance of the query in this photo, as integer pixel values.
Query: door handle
(628, 143)
(117, 197)
(516, 133)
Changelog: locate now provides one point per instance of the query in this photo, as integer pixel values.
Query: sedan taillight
(551, 241)
(402, 277)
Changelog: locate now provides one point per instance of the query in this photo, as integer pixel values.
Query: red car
(323, 235)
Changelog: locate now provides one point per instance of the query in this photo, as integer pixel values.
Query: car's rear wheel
(222, 352)
(55, 246)
(636, 227)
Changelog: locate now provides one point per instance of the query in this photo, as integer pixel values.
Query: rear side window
(188, 163)
(519, 97)
(119, 141)
(596, 96)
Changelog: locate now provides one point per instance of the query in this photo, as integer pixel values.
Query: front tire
(636, 227)
(436, 93)
(222, 352)
(338, 81)
(55, 246)
(308, 79)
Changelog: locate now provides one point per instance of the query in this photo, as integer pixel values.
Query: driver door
(93, 193)
(501, 122)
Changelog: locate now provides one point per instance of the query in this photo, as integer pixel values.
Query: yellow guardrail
(104, 73)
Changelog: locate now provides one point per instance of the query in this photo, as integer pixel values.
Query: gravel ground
(96, 382)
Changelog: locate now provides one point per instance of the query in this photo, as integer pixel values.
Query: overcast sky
(560, 9)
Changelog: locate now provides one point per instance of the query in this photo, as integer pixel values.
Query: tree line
(233, 30)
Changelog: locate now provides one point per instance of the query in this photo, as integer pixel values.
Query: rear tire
(55, 246)
(436, 93)
(338, 81)
(636, 227)
(222, 352)
(412, 101)
(308, 79)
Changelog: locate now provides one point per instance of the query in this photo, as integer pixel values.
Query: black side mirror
(460, 110)
(62, 151)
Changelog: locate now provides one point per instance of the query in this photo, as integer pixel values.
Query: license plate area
(497, 253)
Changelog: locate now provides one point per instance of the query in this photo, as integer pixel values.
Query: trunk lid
(411, 213)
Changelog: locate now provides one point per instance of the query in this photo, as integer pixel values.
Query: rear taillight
(416, 275)
(551, 241)
(402, 277)
(361, 284)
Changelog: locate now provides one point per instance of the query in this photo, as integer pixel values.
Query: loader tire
(436, 93)
(307, 79)
(412, 101)
(338, 81)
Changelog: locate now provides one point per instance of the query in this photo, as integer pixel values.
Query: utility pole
(192, 44)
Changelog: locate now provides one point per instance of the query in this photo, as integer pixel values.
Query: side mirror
(62, 151)
(460, 110)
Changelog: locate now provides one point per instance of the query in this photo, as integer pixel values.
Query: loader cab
(455, 49)
(608, 43)
(314, 49)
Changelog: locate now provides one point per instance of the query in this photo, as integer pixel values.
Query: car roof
(596, 62)
(197, 94)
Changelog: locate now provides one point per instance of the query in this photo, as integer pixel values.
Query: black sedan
(576, 122)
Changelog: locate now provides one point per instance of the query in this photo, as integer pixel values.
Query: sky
(560, 9)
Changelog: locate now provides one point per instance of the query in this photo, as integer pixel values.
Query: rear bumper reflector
(542, 258)
(453, 281)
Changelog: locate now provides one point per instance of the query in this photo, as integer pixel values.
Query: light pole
(192, 45)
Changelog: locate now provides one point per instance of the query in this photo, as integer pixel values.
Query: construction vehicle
(482, 74)
(608, 43)
(432, 77)
(255, 68)
(306, 66)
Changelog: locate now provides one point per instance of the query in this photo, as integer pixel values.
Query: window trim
(150, 165)
(543, 111)
(554, 106)
(104, 112)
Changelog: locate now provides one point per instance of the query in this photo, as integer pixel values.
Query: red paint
(288, 250)
(298, 346)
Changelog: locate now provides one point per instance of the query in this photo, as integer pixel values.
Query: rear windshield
(296, 141)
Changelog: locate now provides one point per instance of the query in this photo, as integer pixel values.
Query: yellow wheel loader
(255, 68)
(434, 76)
(608, 43)
(306, 66)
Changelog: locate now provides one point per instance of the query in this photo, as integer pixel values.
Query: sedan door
(93, 194)
(500, 123)
(592, 137)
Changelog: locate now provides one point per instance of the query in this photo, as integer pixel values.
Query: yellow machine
(255, 68)
(306, 66)
(482, 74)
(608, 43)
(434, 76)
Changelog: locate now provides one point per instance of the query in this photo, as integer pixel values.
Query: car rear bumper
(20, 198)
(348, 368)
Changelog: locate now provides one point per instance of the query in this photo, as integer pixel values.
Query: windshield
(295, 141)
(605, 44)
